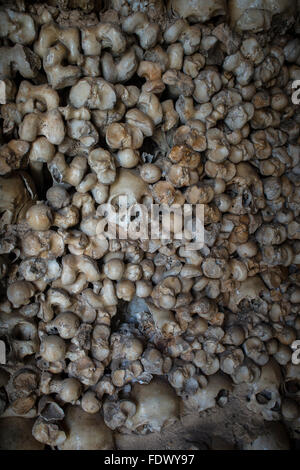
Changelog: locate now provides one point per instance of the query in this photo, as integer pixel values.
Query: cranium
(264, 397)
(23, 338)
(157, 406)
(216, 390)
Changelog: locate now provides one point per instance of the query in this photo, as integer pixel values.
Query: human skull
(264, 397)
(157, 406)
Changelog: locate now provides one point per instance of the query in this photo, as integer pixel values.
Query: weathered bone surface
(124, 341)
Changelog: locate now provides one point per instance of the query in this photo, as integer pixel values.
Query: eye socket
(263, 397)
(292, 386)
(232, 192)
(53, 330)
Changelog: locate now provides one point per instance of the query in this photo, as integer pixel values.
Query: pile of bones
(182, 102)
